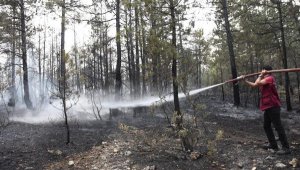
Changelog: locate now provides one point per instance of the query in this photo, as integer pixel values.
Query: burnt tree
(236, 92)
(118, 85)
(24, 56)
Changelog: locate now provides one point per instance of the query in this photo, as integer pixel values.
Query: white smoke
(84, 108)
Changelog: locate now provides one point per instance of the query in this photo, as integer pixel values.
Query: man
(270, 104)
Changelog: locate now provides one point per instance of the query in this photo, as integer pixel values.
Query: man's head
(267, 67)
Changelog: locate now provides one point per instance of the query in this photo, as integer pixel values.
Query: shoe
(267, 147)
(284, 151)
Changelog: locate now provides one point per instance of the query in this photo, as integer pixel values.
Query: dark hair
(267, 67)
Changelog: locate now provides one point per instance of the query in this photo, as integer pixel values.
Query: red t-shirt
(269, 96)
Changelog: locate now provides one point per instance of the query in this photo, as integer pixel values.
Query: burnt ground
(225, 138)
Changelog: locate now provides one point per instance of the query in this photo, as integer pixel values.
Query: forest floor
(226, 138)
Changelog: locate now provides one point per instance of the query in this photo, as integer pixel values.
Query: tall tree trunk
(100, 63)
(284, 59)
(13, 59)
(236, 92)
(199, 70)
(196, 80)
(40, 65)
(57, 61)
(132, 57)
(222, 80)
(76, 60)
(94, 64)
(21, 79)
(129, 56)
(137, 62)
(63, 81)
(118, 41)
(174, 66)
(44, 66)
(110, 64)
(84, 85)
(153, 52)
(100, 48)
(143, 57)
(52, 62)
(106, 71)
(183, 65)
(252, 71)
(24, 57)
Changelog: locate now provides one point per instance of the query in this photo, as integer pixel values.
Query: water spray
(84, 103)
(153, 100)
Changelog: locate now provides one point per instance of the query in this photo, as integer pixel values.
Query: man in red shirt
(270, 104)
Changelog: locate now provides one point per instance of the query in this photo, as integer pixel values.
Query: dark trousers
(272, 116)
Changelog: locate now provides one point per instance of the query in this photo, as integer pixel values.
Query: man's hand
(263, 72)
(242, 77)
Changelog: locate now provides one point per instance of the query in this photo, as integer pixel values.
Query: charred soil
(224, 137)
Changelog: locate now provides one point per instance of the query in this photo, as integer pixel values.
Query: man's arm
(260, 81)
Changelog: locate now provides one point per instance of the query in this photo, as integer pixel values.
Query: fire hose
(258, 73)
